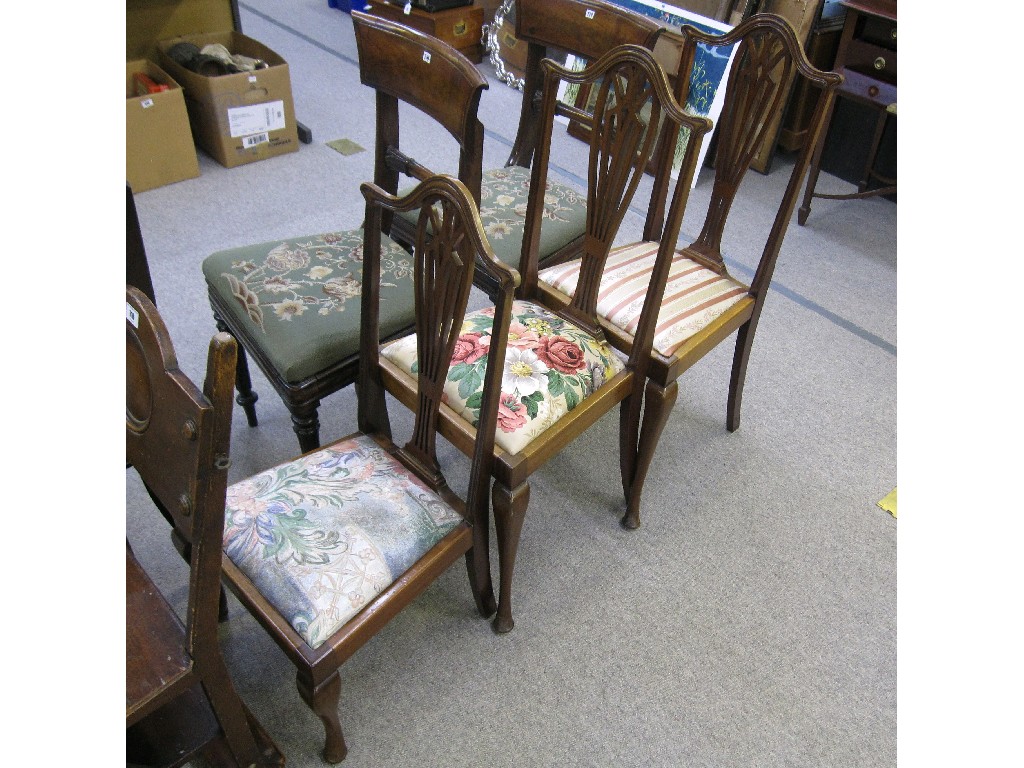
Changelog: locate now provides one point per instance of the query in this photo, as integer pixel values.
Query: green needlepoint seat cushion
(322, 535)
(503, 198)
(299, 298)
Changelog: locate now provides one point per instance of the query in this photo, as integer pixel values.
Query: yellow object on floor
(889, 503)
(345, 146)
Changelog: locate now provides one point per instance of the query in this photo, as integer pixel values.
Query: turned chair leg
(306, 423)
(658, 403)
(744, 341)
(246, 397)
(509, 512)
(324, 699)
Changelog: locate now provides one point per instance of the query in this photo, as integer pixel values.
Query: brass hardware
(186, 505)
(460, 28)
(189, 430)
(221, 461)
(879, 63)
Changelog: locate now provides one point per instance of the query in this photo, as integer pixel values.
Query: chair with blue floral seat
(702, 304)
(587, 29)
(293, 304)
(561, 375)
(325, 549)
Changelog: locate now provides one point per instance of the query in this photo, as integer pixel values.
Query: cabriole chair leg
(324, 699)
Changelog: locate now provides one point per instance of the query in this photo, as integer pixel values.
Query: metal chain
(489, 40)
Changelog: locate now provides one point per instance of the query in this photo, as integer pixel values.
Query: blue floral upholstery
(300, 298)
(322, 535)
(551, 366)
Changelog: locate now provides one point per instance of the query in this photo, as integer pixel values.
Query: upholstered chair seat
(299, 298)
(695, 296)
(551, 366)
(321, 536)
(503, 196)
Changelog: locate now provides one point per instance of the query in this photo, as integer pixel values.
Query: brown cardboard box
(238, 118)
(159, 146)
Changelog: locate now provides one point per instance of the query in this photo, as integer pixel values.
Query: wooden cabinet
(867, 60)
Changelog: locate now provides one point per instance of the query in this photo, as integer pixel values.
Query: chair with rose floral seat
(560, 376)
(586, 29)
(326, 549)
(293, 304)
(701, 303)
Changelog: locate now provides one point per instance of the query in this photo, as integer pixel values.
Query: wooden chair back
(634, 114)
(768, 60)
(404, 65)
(177, 439)
(585, 28)
(451, 252)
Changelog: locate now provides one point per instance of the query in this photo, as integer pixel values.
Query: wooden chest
(461, 27)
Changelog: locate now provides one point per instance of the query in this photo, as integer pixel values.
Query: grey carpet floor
(750, 621)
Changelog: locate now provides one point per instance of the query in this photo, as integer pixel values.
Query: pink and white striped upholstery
(694, 294)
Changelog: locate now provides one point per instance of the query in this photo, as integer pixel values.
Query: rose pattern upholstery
(294, 296)
(551, 366)
(322, 535)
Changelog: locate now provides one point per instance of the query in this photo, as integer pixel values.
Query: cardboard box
(159, 146)
(243, 117)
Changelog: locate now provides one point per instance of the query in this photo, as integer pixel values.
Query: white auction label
(257, 118)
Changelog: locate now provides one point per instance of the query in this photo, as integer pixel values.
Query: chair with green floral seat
(702, 304)
(293, 304)
(587, 29)
(561, 375)
(324, 550)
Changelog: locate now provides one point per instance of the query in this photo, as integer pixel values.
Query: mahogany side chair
(561, 375)
(293, 304)
(326, 549)
(587, 29)
(180, 698)
(702, 304)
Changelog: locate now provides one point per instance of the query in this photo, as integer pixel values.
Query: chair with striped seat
(702, 304)
(293, 304)
(584, 28)
(561, 376)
